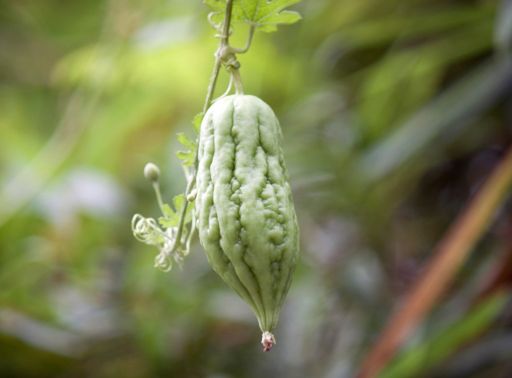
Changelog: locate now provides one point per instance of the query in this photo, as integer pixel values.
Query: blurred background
(394, 115)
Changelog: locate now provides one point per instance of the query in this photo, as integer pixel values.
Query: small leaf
(178, 202)
(216, 5)
(186, 157)
(168, 212)
(264, 14)
(185, 141)
(170, 219)
(196, 121)
(167, 222)
(269, 23)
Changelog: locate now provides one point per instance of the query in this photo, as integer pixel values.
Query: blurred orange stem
(447, 258)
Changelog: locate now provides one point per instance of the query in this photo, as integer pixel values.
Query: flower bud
(151, 172)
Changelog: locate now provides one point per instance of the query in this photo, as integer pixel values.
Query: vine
(173, 232)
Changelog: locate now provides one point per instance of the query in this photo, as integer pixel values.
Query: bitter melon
(244, 208)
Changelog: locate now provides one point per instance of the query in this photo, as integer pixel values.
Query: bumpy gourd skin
(246, 219)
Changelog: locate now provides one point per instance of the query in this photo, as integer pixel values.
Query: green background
(393, 112)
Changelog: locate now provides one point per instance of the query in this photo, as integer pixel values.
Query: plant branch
(449, 255)
(227, 23)
(212, 84)
(224, 43)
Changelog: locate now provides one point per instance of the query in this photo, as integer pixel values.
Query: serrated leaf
(171, 218)
(216, 5)
(269, 23)
(186, 157)
(185, 141)
(178, 202)
(264, 14)
(168, 212)
(196, 121)
(167, 222)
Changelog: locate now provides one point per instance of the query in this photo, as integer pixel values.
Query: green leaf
(196, 121)
(178, 202)
(168, 212)
(264, 14)
(185, 141)
(187, 156)
(167, 222)
(284, 17)
(171, 218)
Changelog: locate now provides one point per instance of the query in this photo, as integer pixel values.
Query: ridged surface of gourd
(246, 218)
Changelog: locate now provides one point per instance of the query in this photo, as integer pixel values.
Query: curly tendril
(173, 242)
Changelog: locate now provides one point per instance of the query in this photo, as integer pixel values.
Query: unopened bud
(152, 172)
(191, 197)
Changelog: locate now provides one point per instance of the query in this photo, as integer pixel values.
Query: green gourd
(244, 208)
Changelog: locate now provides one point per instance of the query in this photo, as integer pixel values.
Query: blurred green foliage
(394, 112)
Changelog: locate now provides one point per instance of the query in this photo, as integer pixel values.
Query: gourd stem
(239, 88)
(230, 85)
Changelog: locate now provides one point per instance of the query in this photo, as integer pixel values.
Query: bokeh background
(394, 114)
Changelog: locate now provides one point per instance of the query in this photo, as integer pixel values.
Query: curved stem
(248, 44)
(183, 214)
(216, 69)
(230, 85)
(212, 23)
(212, 84)
(224, 41)
(209, 95)
(239, 88)
(156, 188)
